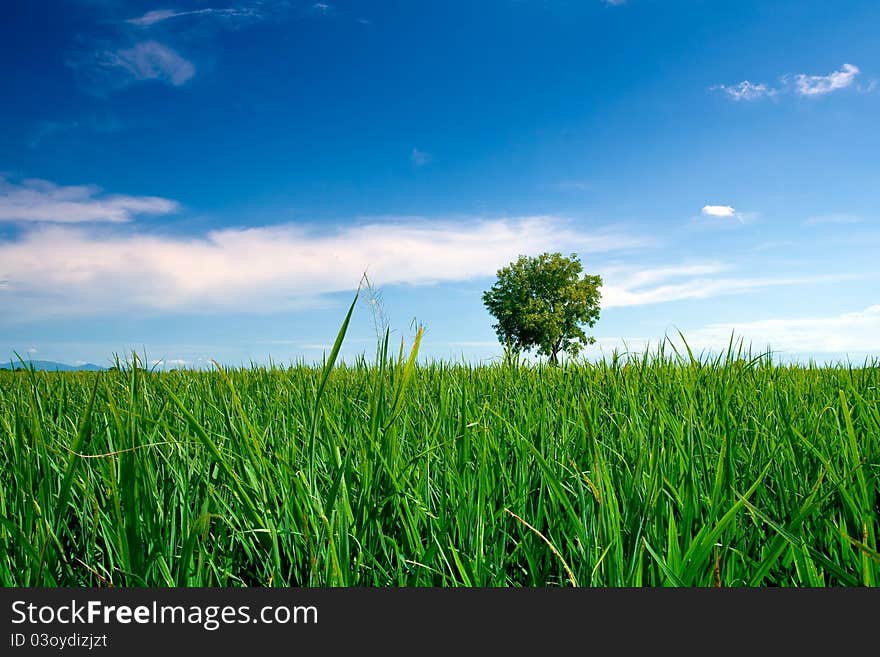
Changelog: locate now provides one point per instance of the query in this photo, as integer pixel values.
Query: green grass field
(662, 471)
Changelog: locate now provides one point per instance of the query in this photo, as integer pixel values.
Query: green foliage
(542, 302)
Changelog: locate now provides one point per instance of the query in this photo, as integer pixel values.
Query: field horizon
(666, 348)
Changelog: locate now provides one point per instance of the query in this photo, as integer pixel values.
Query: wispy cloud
(801, 84)
(246, 12)
(159, 15)
(69, 270)
(746, 90)
(170, 362)
(852, 333)
(151, 60)
(836, 218)
(629, 278)
(119, 53)
(624, 288)
(870, 86)
(419, 158)
(819, 85)
(847, 332)
(43, 201)
(104, 70)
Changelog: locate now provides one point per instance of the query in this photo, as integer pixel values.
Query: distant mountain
(51, 366)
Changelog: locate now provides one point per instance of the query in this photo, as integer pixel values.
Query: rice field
(667, 470)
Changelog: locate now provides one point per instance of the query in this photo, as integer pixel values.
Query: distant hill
(51, 366)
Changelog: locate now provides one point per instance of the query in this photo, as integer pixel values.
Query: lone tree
(541, 302)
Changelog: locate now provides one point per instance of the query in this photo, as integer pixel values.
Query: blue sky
(210, 179)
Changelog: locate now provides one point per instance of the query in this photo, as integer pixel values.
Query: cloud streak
(746, 90)
(847, 332)
(622, 288)
(616, 296)
(151, 60)
(53, 270)
(242, 13)
(121, 53)
(43, 201)
(801, 84)
(71, 270)
(819, 85)
(851, 333)
(160, 15)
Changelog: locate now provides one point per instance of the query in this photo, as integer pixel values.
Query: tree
(541, 303)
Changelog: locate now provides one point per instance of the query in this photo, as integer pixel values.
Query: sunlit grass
(653, 471)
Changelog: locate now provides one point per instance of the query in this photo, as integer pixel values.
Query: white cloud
(622, 288)
(170, 362)
(40, 200)
(804, 85)
(419, 158)
(847, 332)
(66, 270)
(699, 288)
(158, 15)
(718, 211)
(605, 346)
(853, 333)
(244, 13)
(615, 3)
(746, 90)
(151, 60)
(819, 85)
(639, 278)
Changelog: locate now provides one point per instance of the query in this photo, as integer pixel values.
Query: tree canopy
(542, 302)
